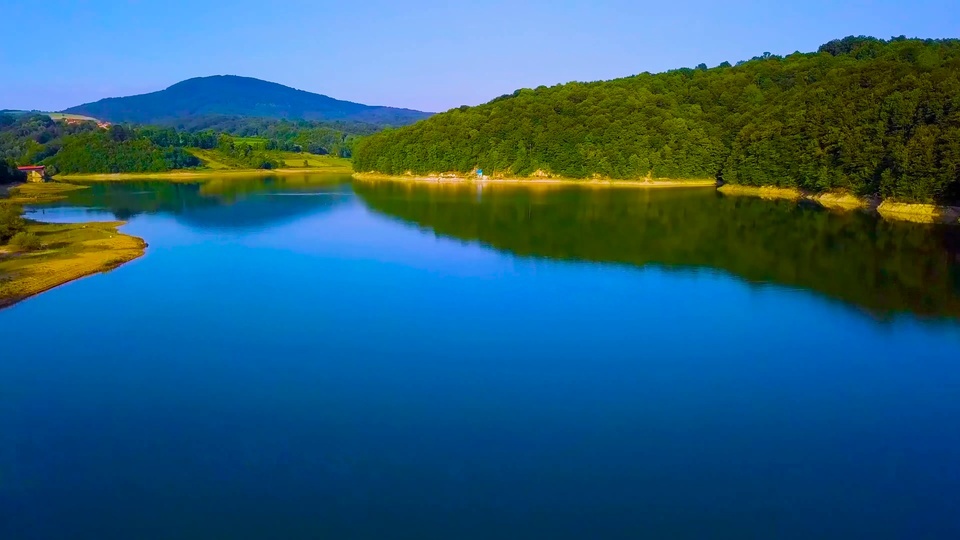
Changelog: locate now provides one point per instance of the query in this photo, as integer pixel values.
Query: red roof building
(35, 173)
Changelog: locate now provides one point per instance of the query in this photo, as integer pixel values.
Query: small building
(35, 173)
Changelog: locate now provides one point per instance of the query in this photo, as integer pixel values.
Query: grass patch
(65, 116)
(214, 160)
(255, 142)
(37, 193)
(210, 158)
(67, 252)
(294, 160)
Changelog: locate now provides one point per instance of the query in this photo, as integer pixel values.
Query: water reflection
(881, 266)
(227, 203)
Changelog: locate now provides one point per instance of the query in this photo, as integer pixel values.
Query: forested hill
(73, 147)
(861, 114)
(239, 96)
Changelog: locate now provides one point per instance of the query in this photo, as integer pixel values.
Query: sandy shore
(913, 212)
(447, 179)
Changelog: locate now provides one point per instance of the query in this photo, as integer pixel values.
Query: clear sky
(428, 55)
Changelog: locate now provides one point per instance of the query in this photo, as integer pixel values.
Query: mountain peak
(235, 95)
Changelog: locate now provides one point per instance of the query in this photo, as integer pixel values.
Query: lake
(307, 357)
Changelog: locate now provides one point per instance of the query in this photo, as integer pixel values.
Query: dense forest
(862, 115)
(83, 147)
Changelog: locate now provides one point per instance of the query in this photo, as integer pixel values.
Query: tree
(9, 172)
(11, 221)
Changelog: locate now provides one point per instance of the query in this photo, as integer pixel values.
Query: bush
(9, 172)
(26, 241)
(11, 221)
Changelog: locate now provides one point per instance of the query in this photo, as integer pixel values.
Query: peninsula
(41, 256)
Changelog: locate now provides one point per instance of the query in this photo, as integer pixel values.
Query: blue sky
(428, 55)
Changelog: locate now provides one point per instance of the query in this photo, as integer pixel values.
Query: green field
(63, 116)
(255, 142)
(211, 158)
(215, 160)
(297, 160)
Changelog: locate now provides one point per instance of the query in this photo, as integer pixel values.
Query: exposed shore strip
(70, 251)
(36, 193)
(888, 209)
(597, 182)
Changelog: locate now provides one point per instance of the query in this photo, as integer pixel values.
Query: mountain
(230, 95)
(861, 115)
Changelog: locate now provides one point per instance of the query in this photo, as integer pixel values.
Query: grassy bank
(68, 252)
(215, 166)
(195, 175)
(36, 193)
(888, 209)
(598, 182)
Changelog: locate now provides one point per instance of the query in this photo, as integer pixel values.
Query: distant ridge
(239, 96)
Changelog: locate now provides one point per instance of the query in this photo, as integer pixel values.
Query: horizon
(381, 55)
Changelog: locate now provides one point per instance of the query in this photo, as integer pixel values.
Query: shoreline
(73, 251)
(36, 192)
(193, 175)
(466, 180)
(886, 208)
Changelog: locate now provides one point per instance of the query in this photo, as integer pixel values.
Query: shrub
(11, 221)
(9, 172)
(26, 241)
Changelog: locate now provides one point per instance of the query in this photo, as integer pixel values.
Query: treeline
(117, 149)
(333, 138)
(83, 147)
(862, 114)
(28, 139)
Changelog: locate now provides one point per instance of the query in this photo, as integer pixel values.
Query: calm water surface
(310, 358)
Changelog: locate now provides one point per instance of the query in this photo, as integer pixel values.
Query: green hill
(85, 147)
(861, 114)
(229, 95)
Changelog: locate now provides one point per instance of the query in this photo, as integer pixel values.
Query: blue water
(300, 365)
